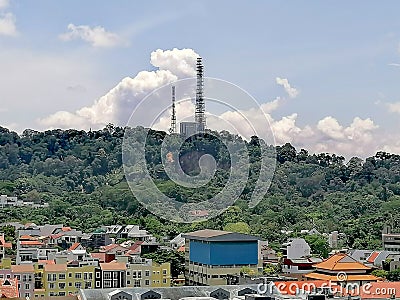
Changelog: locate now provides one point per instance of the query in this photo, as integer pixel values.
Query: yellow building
(63, 279)
(143, 272)
(5, 263)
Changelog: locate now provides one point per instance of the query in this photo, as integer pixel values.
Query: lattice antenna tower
(200, 117)
(172, 129)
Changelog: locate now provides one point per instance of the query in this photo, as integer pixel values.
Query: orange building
(342, 268)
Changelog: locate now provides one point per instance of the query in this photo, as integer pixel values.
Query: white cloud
(393, 107)
(117, 105)
(96, 36)
(330, 127)
(4, 4)
(291, 91)
(361, 137)
(7, 25)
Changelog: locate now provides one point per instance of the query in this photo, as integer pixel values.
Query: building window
(27, 295)
(147, 273)
(97, 284)
(164, 271)
(97, 274)
(139, 274)
(107, 284)
(78, 285)
(107, 275)
(147, 282)
(69, 283)
(134, 274)
(61, 285)
(164, 281)
(15, 276)
(69, 275)
(78, 275)
(128, 282)
(61, 294)
(27, 286)
(61, 276)
(51, 285)
(137, 283)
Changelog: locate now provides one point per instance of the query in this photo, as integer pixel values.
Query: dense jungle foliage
(80, 175)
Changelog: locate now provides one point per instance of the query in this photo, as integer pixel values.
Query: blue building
(211, 255)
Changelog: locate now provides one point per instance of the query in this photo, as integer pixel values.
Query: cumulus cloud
(117, 105)
(7, 25)
(361, 137)
(291, 91)
(393, 107)
(4, 4)
(96, 36)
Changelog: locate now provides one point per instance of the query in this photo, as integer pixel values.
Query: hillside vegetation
(80, 175)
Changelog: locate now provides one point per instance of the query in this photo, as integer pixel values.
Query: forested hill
(80, 175)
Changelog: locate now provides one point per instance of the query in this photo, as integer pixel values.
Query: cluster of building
(56, 261)
(6, 201)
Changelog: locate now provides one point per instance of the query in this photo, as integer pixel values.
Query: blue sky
(337, 54)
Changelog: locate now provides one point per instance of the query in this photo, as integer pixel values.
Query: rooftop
(219, 235)
(341, 262)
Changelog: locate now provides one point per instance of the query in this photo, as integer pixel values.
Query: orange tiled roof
(333, 278)
(25, 237)
(4, 243)
(46, 262)
(372, 257)
(25, 268)
(31, 243)
(341, 262)
(9, 288)
(112, 266)
(181, 249)
(66, 229)
(56, 236)
(74, 246)
(56, 268)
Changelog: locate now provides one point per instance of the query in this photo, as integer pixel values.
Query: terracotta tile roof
(74, 246)
(46, 262)
(31, 243)
(25, 268)
(25, 237)
(100, 255)
(56, 236)
(4, 243)
(113, 266)
(66, 229)
(372, 257)
(341, 262)
(9, 288)
(56, 268)
(333, 278)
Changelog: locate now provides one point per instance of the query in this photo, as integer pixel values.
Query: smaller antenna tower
(173, 115)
